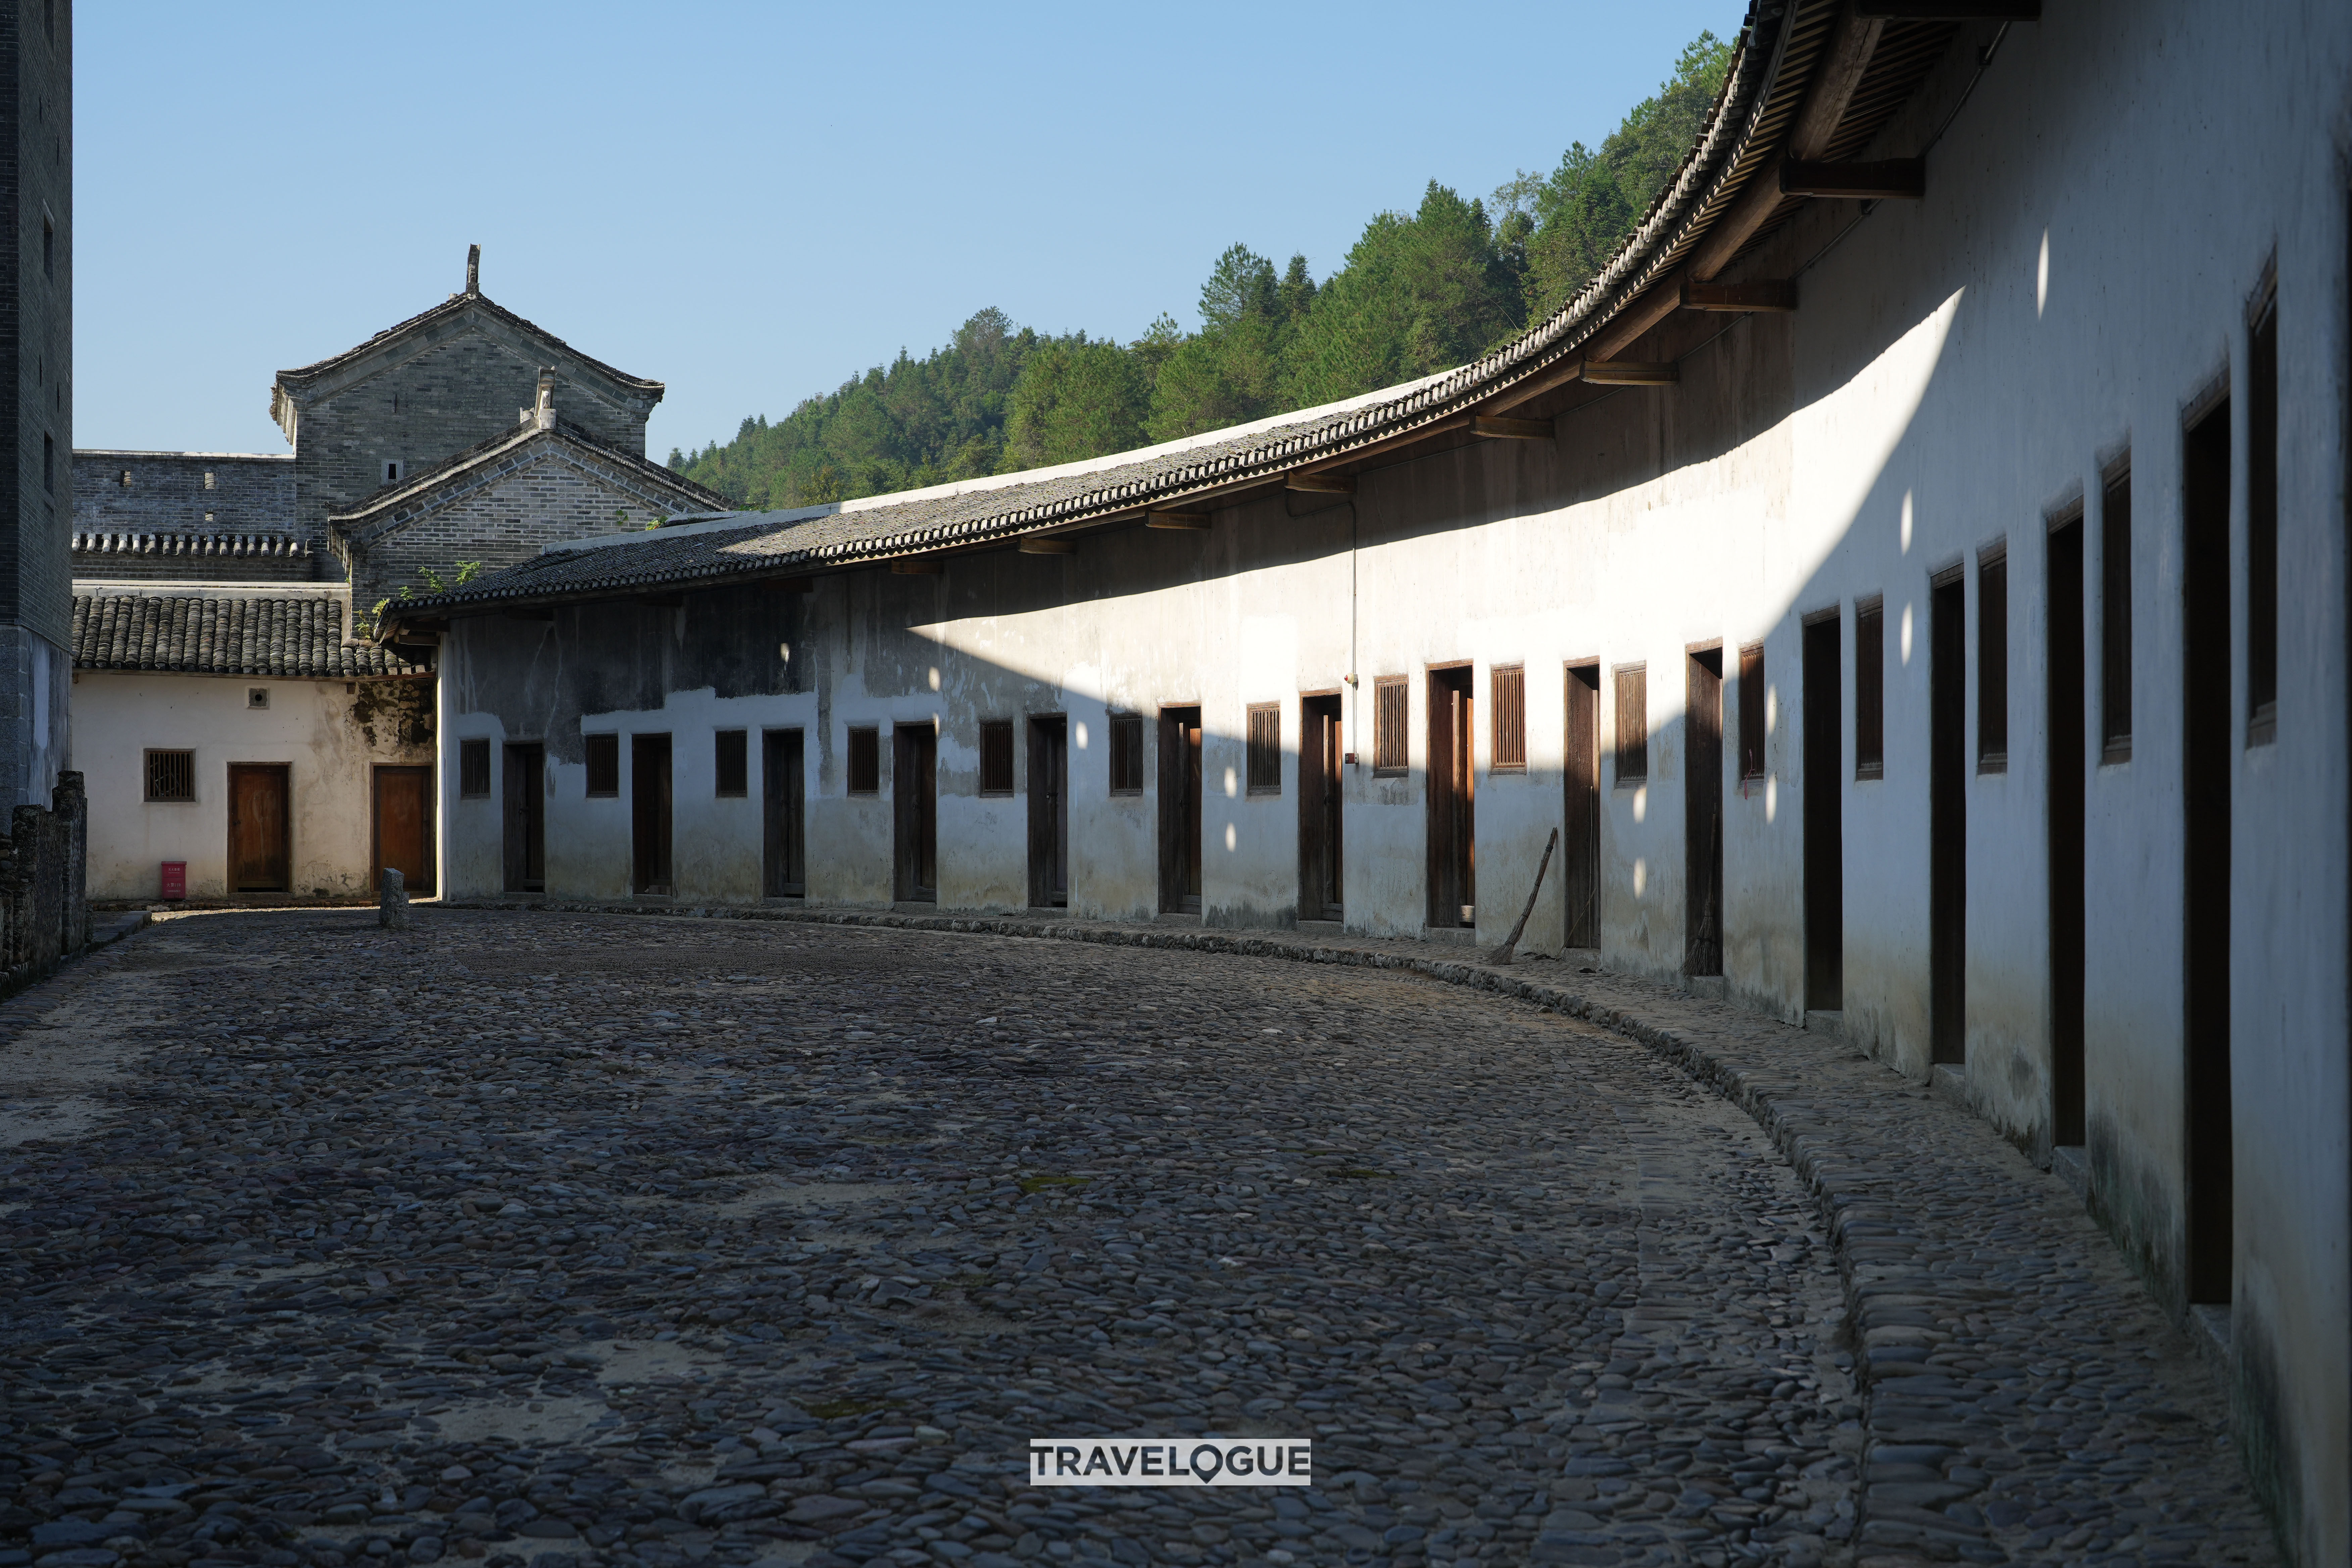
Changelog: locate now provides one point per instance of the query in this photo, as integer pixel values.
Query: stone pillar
(392, 906)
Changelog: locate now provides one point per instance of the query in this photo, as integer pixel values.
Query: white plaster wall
(310, 725)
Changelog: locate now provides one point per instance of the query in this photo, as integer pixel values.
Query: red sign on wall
(175, 878)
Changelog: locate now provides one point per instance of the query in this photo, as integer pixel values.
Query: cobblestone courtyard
(575, 1239)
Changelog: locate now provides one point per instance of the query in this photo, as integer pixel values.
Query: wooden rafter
(1759, 294)
(1890, 179)
(1500, 429)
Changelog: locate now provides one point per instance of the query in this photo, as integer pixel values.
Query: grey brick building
(35, 382)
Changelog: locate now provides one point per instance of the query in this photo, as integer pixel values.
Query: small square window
(391, 471)
(474, 769)
(996, 756)
(208, 479)
(1127, 754)
(256, 697)
(172, 776)
(603, 758)
(1265, 748)
(126, 478)
(733, 764)
(864, 760)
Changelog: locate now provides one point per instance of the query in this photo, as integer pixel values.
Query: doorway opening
(649, 815)
(1453, 805)
(2069, 713)
(404, 826)
(1580, 784)
(1947, 818)
(526, 819)
(1825, 813)
(783, 865)
(1321, 759)
(1049, 811)
(1180, 811)
(1702, 813)
(915, 812)
(2207, 740)
(260, 859)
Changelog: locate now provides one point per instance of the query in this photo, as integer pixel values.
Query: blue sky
(753, 203)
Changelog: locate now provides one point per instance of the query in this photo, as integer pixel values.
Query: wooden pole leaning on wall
(1511, 945)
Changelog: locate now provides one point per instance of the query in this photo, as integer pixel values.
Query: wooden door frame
(376, 826)
(511, 793)
(1173, 863)
(1042, 833)
(286, 823)
(1311, 904)
(784, 843)
(1461, 879)
(1579, 871)
(1703, 845)
(667, 835)
(905, 854)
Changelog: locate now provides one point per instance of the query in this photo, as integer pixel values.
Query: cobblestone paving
(581, 1238)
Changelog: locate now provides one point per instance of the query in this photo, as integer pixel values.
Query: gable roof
(395, 344)
(1810, 81)
(488, 463)
(199, 631)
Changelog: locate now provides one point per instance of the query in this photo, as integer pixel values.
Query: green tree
(1074, 399)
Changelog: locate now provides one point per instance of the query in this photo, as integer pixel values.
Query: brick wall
(250, 493)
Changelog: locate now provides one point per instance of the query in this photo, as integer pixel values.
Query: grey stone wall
(168, 492)
(419, 412)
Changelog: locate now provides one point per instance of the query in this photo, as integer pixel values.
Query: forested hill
(1419, 291)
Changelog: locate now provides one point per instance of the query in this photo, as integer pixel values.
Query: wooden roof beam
(1194, 521)
(1949, 10)
(1891, 179)
(788, 585)
(917, 566)
(1632, 373)
(1323, 484)
(1495, 429)
(1040, 545)
(1775, 294)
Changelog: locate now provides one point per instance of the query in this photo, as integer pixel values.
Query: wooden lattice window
(1869, 688)
(1390, 754)
(1127, 754)
(2115, 618)
(732, 764)
(864, 760)
(996, 756)
(1751, 711)
(473, 769)
(1633, 723)
(1264, 756)
(1511, 683)
(604, 758)
(172, 776)
(1992, 661)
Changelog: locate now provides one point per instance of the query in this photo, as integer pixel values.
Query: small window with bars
(1265, 748)
(473, 769)
(172, 776)
(1390, 754)
(1992, 660)
(864, 760)
(604, 758)
(1127, 754)
(1869, 688)
(996, 756)
(1633, 723)
(1751, 711)
(732, 764)
(1510, 684)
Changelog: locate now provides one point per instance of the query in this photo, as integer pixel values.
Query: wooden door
(1452, 820)
(1320, 773)
(404, 827)
(1180, 810)
(783, 794)
(1702, 815)
(1581, 787)
(2069, 718)
(1825, 813)
(526, 819)
(1947, 820)
(2208, 740)
(915, 803)
(1049, 811)
(649, 814)
(260, 813)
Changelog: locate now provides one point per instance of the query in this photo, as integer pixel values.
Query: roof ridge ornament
(473, 271)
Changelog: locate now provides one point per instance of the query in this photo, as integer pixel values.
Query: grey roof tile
(197, 633)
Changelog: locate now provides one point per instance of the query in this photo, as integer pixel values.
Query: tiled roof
(483, 459)
(92, 548)
(1725, 193)
(457, 305)
(199, 633)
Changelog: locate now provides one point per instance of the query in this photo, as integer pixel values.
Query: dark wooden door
(2208, 740)
(783, 794)
(2069, 716)
(1702, 814)
(1825, 813)
(649, 814)
(1452, 818)
(1180, 810)
(1580, 800)
(403, 826)
(1049, 811)
(914, 803)
(1320, 777)
(526, 819)
(1947, 821)
(260, 813)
